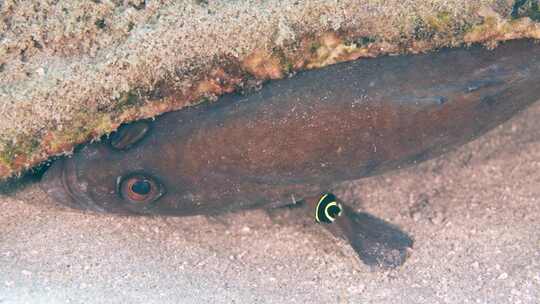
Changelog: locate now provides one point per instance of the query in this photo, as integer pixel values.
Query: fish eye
(140, 189)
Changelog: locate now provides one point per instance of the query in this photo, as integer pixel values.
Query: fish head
(132, 172)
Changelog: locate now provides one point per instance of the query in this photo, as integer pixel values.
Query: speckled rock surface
(71, 71)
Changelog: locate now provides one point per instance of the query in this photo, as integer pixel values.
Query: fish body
(295, 138)
(298, 136)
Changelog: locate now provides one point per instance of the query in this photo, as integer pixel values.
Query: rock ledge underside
(72, 71)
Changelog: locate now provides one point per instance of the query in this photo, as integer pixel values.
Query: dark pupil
(333, 211)
(141, 187)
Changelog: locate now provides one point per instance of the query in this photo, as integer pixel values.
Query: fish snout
(61, 184)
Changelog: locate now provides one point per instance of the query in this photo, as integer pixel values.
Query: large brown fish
(294, 138)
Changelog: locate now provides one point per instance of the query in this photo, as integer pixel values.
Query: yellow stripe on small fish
(327, 209)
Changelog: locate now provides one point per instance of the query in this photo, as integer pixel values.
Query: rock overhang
(72, 72)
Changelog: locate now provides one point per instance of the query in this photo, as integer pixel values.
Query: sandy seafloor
(474, 215)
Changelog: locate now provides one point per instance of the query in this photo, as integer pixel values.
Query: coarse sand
(474, 214)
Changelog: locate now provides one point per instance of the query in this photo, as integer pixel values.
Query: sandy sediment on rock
(71, 71)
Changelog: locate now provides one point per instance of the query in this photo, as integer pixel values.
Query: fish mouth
(61, 183)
